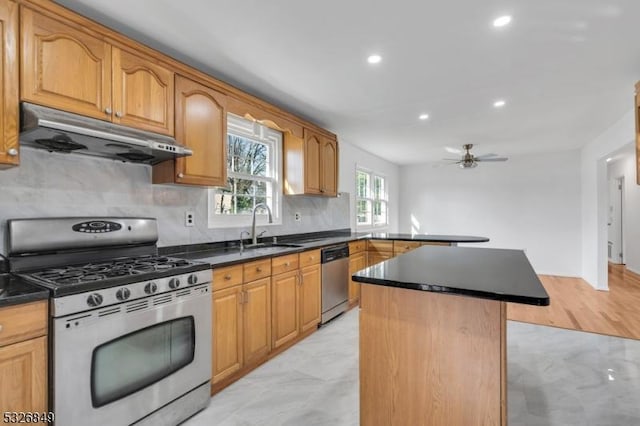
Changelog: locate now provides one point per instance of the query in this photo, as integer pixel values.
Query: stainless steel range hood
(59, 131)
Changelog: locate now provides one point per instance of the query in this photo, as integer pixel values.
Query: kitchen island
(433, 335)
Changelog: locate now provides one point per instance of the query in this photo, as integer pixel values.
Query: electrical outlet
(297, 216)
(189, 218)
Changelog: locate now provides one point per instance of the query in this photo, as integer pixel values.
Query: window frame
(239, 126)
(370, 198)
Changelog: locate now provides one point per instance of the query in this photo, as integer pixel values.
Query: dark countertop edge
(536, 301)
(36, 295)
(192, 250)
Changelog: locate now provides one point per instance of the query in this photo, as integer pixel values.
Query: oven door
(118, 364)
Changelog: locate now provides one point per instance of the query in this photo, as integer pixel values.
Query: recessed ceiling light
(502, 21)
(609, 159)
(423, 116)
(499, 103)
(374, 59)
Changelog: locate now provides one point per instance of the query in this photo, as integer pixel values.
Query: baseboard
(633, 273)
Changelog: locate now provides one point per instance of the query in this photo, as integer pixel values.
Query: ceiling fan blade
(486, 155)
(451, 150)
(451, 159)
(492, 159)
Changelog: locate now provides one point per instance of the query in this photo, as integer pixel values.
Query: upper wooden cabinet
(310, 164)
(66, 68)
(9, 154)
(142, 93)
(201, 124)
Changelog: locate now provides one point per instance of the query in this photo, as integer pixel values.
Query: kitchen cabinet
(67, 68)
(242, 317)
(379, 251)
(296, 296)
(357, 262)
(400, 247)
(23, 357)
(310, 297)
(227, 332)
(9, 150)
(310, 164)
(285, 320)
(201, 124)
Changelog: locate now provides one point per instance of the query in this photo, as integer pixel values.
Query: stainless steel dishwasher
(335, 281)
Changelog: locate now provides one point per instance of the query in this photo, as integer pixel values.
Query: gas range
(130, 331)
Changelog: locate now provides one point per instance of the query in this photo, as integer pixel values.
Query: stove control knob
(150, 288)
(193, 279)
(123, 294)
(94, 300)
(174, 283)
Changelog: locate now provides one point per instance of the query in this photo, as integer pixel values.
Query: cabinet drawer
(308, 258)
(22, 322)
(380, 246)
(227, 277)
(405, 246)
(357, 246)
(256, 270)
(284, 264)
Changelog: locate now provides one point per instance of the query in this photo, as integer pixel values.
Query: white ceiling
(565, 67)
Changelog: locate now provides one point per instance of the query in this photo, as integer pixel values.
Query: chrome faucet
(254, 237)
(241, 240)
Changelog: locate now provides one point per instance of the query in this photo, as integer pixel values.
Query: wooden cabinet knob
(227, 277)
(118, 114)
(12, 152)
(108, 111)
(287, 263)
(180, 175)
(258, 269)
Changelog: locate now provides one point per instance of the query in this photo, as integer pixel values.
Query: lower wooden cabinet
(23, 376)
(285, 320)
(357, 262)
(241, 327)
(310, 295)
(23, 357)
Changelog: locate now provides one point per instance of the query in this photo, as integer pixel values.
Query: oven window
(132, 362)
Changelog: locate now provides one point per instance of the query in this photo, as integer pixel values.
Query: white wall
(595, 197)
(351, 157)
(529, 202)
(626, 166)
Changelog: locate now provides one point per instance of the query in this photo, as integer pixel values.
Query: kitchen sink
(268, 245)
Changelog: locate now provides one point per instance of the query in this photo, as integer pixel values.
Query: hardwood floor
(578, 306)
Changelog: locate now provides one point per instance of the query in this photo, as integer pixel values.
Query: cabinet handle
(12, 152)
(180, 175)
(287, 263)
(227, 277)
(258, 269)
(322, 191)
(108, 111)
(118, 114)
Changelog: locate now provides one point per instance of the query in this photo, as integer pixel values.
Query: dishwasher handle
(334, 253)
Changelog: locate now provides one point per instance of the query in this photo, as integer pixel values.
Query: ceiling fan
(469, 161)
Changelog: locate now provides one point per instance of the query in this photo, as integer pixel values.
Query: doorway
(615, 249)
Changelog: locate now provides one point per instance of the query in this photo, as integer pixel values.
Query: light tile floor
(555, 377)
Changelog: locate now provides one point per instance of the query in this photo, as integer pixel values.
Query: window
(371, 200)
(253, 164)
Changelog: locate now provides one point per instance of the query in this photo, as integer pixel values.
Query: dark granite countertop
(14, 290)
(226, 254)
(484, 273)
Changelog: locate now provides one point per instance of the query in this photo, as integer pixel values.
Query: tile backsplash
(52, 184)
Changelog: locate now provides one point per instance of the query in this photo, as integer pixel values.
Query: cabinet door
(227, 332)
(375, 257)
(142, 93)
(23, 376)
(201, 124)
(9, 84)
(357, 262)
(312, 174)
(329, 167)
(257, 320)
(63, 67)
(284, 303)
(310, 294)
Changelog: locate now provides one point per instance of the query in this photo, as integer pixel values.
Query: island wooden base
(431, 359)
